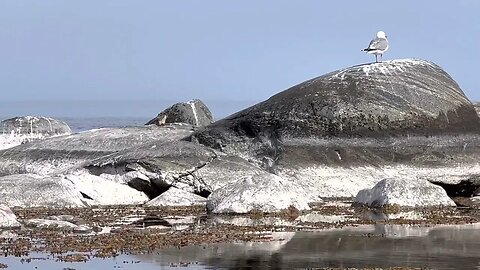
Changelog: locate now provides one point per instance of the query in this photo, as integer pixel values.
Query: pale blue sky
(217, 50)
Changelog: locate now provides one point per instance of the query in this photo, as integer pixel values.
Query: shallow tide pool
(439, 247)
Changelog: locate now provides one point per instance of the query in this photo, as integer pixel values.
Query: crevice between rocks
(465, 188)
(153, 187)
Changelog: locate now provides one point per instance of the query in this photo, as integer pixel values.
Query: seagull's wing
(377, 44)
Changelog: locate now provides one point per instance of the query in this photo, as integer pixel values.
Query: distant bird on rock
(378, 46)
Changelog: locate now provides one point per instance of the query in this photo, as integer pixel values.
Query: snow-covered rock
(24, 190)
(404, 192)
(8, 218)
(177, 197)
(263, 192)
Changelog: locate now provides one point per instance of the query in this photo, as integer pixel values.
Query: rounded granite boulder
(34, 125)
(398, 97)
(194, 112)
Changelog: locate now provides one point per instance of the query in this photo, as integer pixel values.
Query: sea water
(381, 245)
(85, 115)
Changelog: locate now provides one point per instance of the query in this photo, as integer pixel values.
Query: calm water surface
(442, 247)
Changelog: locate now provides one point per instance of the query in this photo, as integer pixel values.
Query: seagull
(378, 46)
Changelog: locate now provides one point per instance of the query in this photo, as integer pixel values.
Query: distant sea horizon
(91, 114)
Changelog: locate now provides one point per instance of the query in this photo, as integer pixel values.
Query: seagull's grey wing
(377, 44)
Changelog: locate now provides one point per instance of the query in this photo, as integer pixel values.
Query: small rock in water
(404, 192)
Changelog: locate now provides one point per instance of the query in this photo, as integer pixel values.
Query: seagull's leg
(381, 57)
(376, 58)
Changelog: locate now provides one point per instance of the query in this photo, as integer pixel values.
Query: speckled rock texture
(60, 153)
(8, 218)
(31, 191)
(264, 192)
(194, 112)
(347, 130)
(393, 97)
(34, 125)
(404, 192)
(477, 107)
(177, 197)
(20, 130)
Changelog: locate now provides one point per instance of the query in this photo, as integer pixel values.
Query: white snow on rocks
(177, 197)
(7, 218)
(404, 192)
(263, 192)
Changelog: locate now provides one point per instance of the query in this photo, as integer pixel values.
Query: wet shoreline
(132, 230)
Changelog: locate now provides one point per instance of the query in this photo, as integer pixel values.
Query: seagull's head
(381, 34)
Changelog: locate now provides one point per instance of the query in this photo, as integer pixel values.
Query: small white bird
(378, 46)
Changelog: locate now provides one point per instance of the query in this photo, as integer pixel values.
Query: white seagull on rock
(378, 46)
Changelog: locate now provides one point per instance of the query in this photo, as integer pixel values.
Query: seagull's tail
(365, 50)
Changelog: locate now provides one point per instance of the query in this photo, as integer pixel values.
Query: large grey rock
(393, 97)
(345, 131)
(20, 130)
(8, 218)
(61, 153)
(404, 192)
(158, 166)
(28, 125)
(31, 191)
(194, 112)
(264, 192)
(155, 168)
(177, 197)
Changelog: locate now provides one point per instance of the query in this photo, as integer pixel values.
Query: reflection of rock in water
(253, 255)
(442, 247)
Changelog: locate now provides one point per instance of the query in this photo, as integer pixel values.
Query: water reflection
(380, 245)
(442, 247)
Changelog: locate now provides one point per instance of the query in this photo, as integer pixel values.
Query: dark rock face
(391, 98)
(34, 125)
(194, 112)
